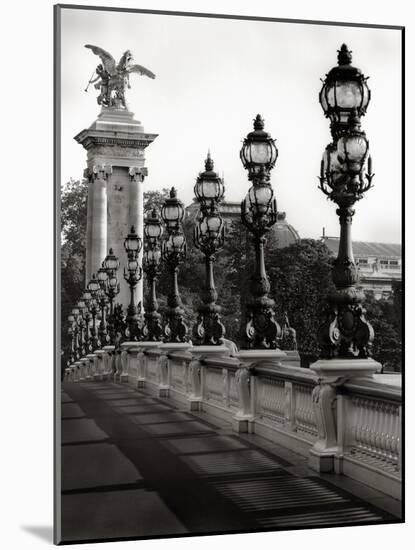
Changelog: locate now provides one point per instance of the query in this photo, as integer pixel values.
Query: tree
(155, 199)
(73, 237)
(387, 343)
(300, 277)
(74, 195)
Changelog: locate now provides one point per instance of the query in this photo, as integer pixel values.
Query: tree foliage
(385, 317)
(73, 237)
(300, 277)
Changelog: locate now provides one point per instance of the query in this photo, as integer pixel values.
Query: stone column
(136, 217)
(99, 250)
(117, 140)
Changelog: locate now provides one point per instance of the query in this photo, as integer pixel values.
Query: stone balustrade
(338, 414)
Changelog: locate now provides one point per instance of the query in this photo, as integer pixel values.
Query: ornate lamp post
(112, 288)
(71, 333)
(345, 175)
(153, 231)
(132, 276)
(209, 237)
(102, 277)
(86, 298)
(259, 214)
(174, 252)
(81, 327)
(93, 288)
(75, 328)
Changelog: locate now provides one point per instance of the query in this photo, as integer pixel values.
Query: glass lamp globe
(132, 242)
(260, 197)
(102, 275)
(153, 230)
(112, 282)
(172, 211)
(352, 151)
(133, 266)
(210, 226)
(93, 285)
(152, 256)
(258, 153)
(344, 89)
(111, 262)
(209, 188)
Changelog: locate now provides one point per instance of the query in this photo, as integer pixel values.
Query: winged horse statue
(112, 79)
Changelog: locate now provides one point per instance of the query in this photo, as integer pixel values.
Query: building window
(389, 264)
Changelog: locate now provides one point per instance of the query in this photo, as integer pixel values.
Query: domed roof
(283, 233)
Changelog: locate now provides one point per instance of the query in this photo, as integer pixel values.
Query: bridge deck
(134, 466)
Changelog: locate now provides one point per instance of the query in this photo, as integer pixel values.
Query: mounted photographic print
(228, 274)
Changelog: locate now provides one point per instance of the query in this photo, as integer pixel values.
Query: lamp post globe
(111, 262)
(133, 243)
(344, 90)
(153, 228)
(209, 189)
(259, 152)
(172, 212)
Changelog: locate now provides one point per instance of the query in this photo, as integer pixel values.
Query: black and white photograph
(229, 274)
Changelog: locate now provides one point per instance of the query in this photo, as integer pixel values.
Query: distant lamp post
(75, 314)
(81, 306)
(94, 287)
(208, 236)
(132, 275)
(174, 253)
(86, 298)
(345, 176)
(71, 333)
(102, 277)
(153, 231)
(259, 214)
(112, 288)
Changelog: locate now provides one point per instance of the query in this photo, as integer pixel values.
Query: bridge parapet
(338, 414)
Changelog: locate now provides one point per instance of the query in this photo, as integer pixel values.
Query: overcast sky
(213, 77)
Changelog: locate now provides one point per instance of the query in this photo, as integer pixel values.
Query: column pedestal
(166, 348)
(99, 353)
(332, 373)
(199, 352)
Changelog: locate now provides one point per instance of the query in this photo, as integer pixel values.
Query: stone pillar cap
(333, 370)
(108, 348)
(173, 346)
(211, 350)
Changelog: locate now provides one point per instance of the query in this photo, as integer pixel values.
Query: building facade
(380, 264)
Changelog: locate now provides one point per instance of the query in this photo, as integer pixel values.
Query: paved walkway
(134, 466)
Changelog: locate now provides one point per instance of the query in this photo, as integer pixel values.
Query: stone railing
(338, 413)
(370, 420)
